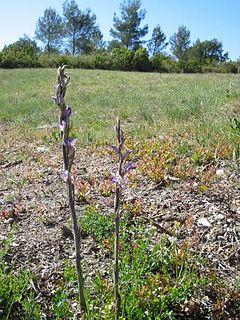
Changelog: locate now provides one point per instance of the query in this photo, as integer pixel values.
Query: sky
(206, 19)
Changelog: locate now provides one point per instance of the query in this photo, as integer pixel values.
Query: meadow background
(148, 104)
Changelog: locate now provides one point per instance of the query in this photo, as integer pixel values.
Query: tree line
(75, 38)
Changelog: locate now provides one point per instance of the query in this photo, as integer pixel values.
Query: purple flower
(64, 175)
(114, 179)
(62, 126)
(129, 167)
(70, 142)
(64, 118)
(66, 113)
(118, 180)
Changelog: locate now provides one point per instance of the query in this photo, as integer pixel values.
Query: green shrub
(224, 67)
(192, 66)
(104, 61)
(48, 60)
(228, 67)
(162, 63)
(122, 59)
(141, 60)
(21, 54)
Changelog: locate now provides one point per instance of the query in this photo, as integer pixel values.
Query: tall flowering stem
(68, 151)
(123, 169)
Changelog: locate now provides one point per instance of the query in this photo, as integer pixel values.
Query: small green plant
(17, 298)
(235, 127)
(98, 225)
(134, 207)
(106, 187)
(82, 189)
(60, 306)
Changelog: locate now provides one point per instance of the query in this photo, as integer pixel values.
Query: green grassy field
(148, 104)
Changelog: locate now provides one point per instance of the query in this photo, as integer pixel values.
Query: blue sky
(206, 19)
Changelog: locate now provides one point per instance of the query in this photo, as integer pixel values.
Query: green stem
(76, 243)
(116, 252)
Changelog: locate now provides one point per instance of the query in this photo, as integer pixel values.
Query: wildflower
(119, 179)
(130, 166)
(70, 143)
(65, 118)
(67, 112)
(64, 175)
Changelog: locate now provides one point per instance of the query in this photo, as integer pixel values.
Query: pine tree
(49, 30)
(126, 30)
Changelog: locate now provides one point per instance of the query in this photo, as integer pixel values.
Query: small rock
(9, 221)
(220, 172)
(42, 149)
(204, 222)
(14, 244)
(220, 216)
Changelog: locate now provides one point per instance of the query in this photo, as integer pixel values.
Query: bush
(122, 59)
(48, 60)
(141, 60)
(25, 54)
(192, 66)
(21, 54)
(228, 67)
(103, 61)
(162, 63)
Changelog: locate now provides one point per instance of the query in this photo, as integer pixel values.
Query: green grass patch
(148, 103)
(17, 297)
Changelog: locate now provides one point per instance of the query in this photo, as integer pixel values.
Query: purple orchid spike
(62, 126)
(67, 112)
(59, 100)
(114, 179)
